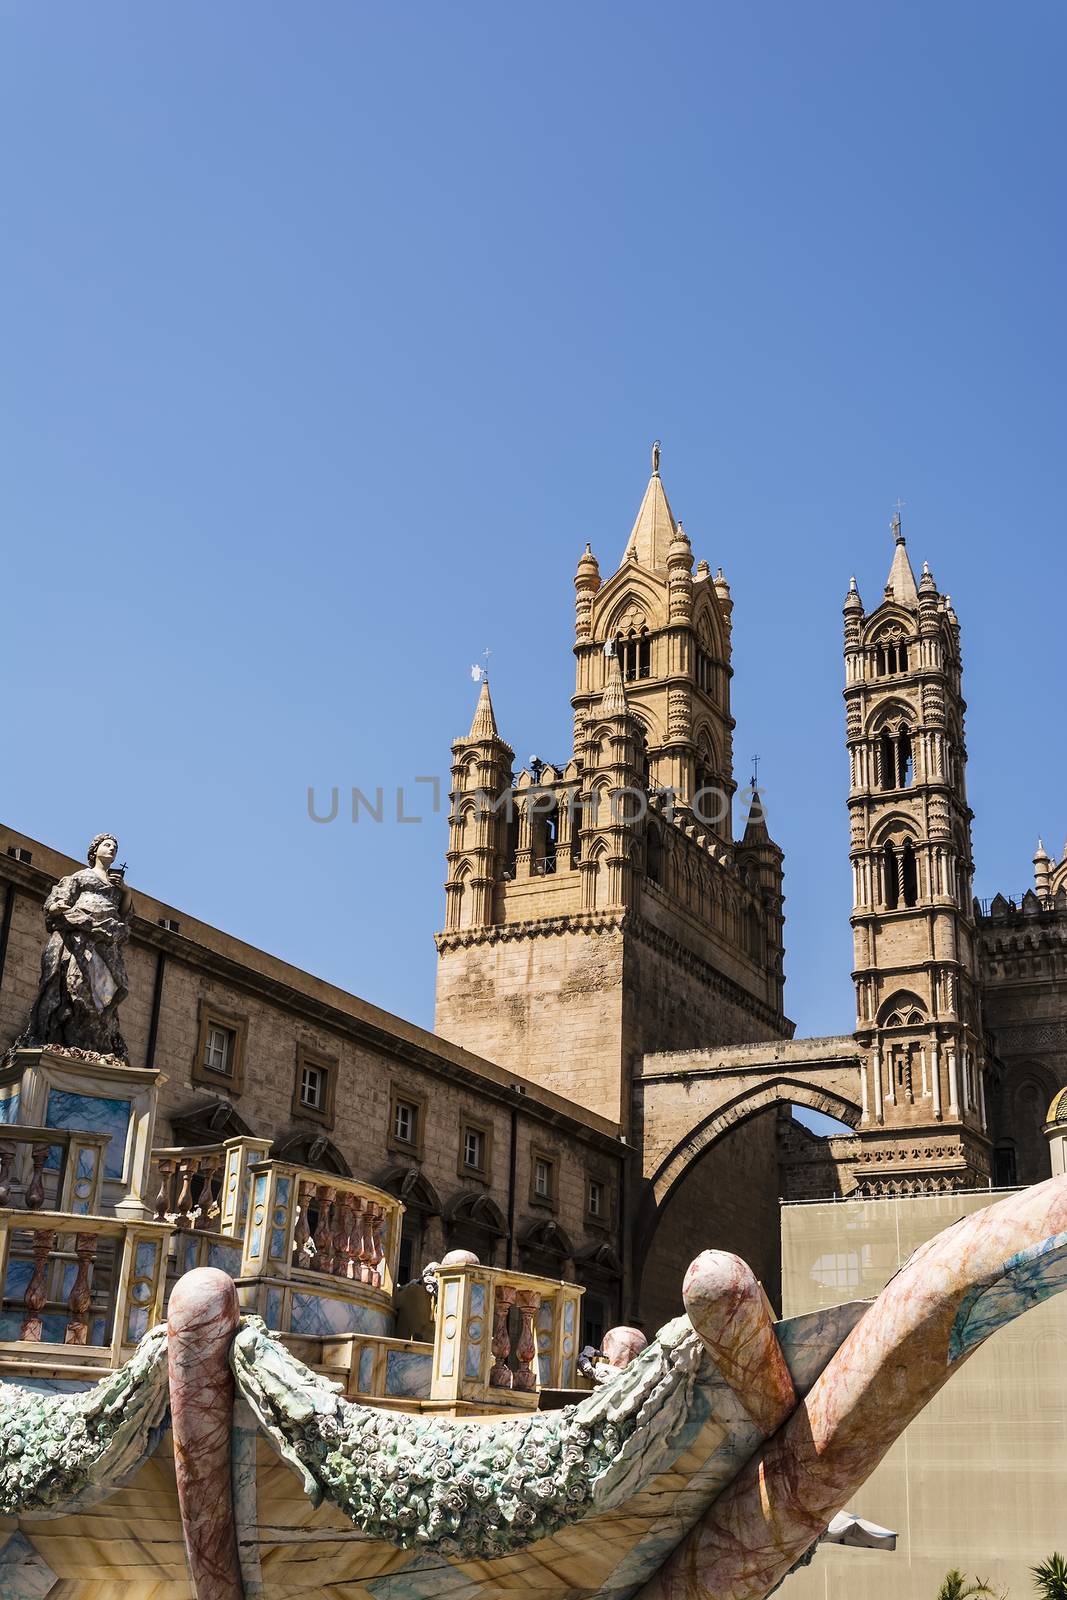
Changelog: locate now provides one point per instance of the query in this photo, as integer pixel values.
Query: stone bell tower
(598, 907)
(918, 1013)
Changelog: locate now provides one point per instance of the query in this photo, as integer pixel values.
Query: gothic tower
(598, 907)
(918, 1014)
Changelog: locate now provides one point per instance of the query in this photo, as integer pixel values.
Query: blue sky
(332, 333)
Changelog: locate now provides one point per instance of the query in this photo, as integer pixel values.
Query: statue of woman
(83, 974)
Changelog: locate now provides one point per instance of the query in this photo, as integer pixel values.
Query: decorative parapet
(319, 1253)
(501, 1336)
(48, 1262)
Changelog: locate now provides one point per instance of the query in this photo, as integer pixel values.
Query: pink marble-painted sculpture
(728, 1308)
(619, 1346)
(945, 1301)
(201, 1321)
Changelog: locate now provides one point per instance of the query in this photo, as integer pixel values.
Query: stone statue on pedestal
(83, 973)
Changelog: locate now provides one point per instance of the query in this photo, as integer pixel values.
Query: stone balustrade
(320, 1252)
(205, 1188)
(501, 1336)
(58, 1165)
(73, 1279)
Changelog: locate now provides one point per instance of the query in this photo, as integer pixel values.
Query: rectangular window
(312, 1087)
(218, 1051)
(597, 1198)
(473, 1149)
(405, 1122)
(542, 1178)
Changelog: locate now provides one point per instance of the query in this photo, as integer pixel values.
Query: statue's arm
(59, 902)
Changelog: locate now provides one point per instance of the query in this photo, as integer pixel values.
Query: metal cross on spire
(895, 524)
(755, 770)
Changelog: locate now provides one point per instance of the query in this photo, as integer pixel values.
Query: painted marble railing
(500, 1336)
(371, 1366)
(91, 1282)
(55, 1166)
(319, 1252)
(206, 1188)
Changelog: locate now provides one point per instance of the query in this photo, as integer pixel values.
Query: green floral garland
(470, 1489)
(58, 1451)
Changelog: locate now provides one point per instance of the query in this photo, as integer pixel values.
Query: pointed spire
(614, 701)
(756, 825)
(852, 599)
(654, 529)
(901, 584)
(484, 727)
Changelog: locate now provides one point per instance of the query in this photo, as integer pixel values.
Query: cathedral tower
(598, 907)
(918, 1015)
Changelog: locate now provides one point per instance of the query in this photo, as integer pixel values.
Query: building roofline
(211, 949)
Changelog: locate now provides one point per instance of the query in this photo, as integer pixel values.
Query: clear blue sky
(332, 332)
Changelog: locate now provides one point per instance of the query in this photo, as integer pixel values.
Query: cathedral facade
(609, 936)
(612, 1078)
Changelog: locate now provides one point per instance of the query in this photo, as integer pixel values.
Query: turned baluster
(529, 1303)
(7, 1156)
(188, 1169)
(301, 1232)
(35, 1188)
(363, 1244)
(81, 1293)
(208, 1207)
(342, 1229)
(165, 1197)
(501, 1375)
(324, 1232)
(44, 1242)
(377, 1247)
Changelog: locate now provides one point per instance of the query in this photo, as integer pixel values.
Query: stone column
(953, 1083)
(935, 1077)
(876, 1069)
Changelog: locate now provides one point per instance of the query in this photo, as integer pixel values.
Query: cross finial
(655, 458)
(895, 524)
(755, 770)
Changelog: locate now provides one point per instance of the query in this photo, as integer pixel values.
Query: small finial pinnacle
(655, 458)
(895, 524)
(852, 585)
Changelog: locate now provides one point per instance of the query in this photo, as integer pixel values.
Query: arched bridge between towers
(686, 1102)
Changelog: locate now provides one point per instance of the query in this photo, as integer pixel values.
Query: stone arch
(305, 1149)
(666, 1237)
(207, 1121)
(780, 1091)
(474, 1222)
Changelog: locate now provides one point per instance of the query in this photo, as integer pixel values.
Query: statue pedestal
(46, 1089)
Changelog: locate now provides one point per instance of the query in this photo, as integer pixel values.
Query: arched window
(753, 942)
(892, 881)
(654, 855)
(909, 876)
(887, 760)
(634, 650)
(904, 762)
(511, 838)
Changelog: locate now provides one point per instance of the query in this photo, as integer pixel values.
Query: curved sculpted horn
(949, 1297)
